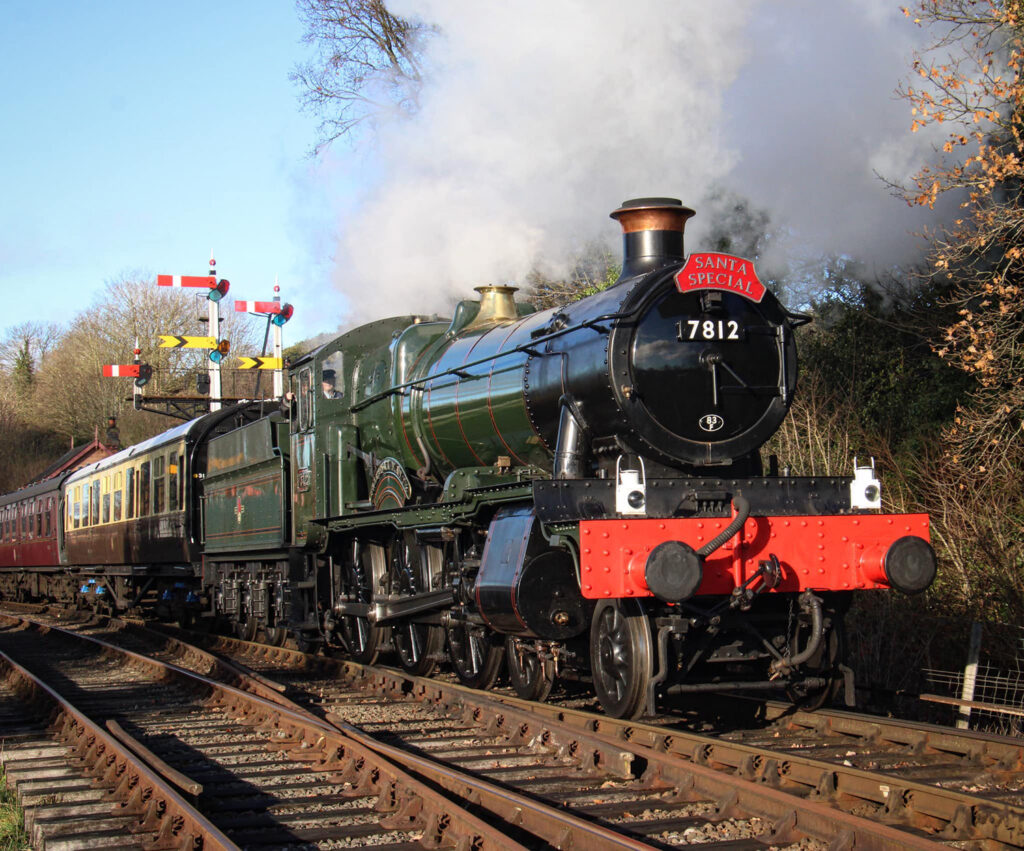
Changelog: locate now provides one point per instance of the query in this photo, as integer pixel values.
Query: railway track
(260, 773)
(912, 783)
(79, 786)
(339, 690)
(949, 785)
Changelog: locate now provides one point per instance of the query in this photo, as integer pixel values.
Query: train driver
(328, 385)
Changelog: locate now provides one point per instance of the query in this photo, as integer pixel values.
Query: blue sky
(136, 137)
(139, 136)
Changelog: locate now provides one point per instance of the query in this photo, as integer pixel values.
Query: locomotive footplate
(571, 500)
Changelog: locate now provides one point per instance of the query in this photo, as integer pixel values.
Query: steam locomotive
(576, 492)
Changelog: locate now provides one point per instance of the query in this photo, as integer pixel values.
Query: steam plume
(540, 117)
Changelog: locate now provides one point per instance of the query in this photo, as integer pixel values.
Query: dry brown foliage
(971, 82)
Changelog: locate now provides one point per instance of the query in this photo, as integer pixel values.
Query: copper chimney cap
(652, 233)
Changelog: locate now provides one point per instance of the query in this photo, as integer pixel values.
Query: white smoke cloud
(540, 117)
(817, 124)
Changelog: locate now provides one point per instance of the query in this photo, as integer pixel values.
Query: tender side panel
(244, 490)
(819, 553)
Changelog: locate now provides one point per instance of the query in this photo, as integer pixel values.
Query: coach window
(129, 493)
(48, 517)
(118, 493)
(39, 517)
(143, 488)
(158, 484)
(75, 508)
(172, 483)
(94, 504)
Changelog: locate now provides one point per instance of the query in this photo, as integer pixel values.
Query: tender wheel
(247, 629)
(474, 655)
(531, 676)
(307, 642)
(410, 568)
(621, 657)
(362, 570)
(276, 635)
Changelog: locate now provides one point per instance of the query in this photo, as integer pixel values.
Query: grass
(12, 830)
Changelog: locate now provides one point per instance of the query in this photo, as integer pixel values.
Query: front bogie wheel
(475, 655)
(621, 657)
(531, 674)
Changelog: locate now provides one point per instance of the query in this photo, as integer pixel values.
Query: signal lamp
(283, 315)
(220, 290)
(223, 347)
(145, 373)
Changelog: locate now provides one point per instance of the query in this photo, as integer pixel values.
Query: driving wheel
(362, 570)
(418, 644)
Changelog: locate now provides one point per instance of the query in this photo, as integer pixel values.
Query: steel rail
(159, 808)
(352, 759)
(1001, 754)
(948, 813)
(734, 795)
(539, 819)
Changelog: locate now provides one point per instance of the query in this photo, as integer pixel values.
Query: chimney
(652, 233)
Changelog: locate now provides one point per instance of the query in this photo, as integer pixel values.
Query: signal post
(217, 290)
(277, 315)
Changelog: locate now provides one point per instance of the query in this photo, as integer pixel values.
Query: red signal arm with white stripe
(258, 306)
(123, 370)
(207, 281)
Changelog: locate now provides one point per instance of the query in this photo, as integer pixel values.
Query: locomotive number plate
(709, 329)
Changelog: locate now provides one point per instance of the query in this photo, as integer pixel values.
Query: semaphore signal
(277, 315)
(259, 363)
(172, 341)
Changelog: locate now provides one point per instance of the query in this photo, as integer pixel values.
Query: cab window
(331, 387)
(305, 396)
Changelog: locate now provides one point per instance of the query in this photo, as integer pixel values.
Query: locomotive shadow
(239, 807)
